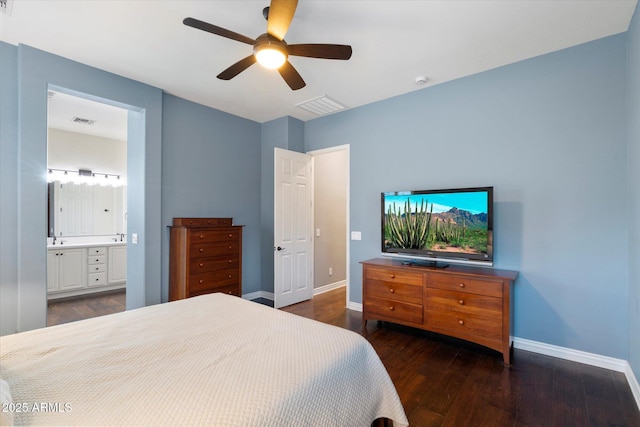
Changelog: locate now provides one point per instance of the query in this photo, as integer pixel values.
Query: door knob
(279, 248)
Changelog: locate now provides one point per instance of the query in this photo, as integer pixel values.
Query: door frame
(347, 149)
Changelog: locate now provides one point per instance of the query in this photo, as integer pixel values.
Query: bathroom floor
(83, 307)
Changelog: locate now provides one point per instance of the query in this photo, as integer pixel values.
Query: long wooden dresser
(205, 257)
(471, 303)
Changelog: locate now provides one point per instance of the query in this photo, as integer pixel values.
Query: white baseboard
(258, 294)
(354, 306)
(316, 291)
(331, 286)
(592, 359)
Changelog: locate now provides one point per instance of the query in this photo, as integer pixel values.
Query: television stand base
(428, 264)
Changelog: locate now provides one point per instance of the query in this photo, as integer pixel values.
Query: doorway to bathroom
(86, 208)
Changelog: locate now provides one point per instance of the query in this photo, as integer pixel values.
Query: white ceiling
(393, 43)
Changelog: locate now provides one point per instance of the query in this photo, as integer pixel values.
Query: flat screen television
(435, 227)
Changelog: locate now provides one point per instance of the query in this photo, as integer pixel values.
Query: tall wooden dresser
(205, 257)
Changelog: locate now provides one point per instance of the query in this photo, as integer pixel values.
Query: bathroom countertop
(72, 245)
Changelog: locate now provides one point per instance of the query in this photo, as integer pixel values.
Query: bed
(209, 360)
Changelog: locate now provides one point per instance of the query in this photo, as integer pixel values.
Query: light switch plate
(356, 235)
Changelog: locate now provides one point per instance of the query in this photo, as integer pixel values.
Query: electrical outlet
(134, 238)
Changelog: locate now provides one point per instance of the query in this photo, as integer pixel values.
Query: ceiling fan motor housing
(267, 42)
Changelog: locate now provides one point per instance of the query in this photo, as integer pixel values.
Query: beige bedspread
(210, 360)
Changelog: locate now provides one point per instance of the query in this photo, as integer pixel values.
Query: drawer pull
(97, 268)
(230, 261)
(201, 281)
(229, 276)
(461, 285)
(97, 260)
(461, 302)
(393, 276)
(230, 235)
(97, 279)
(201, 236)
(201, 250)
(392, 308)
(461, 322)
(392, 290)
(229, 247)
(201, 265)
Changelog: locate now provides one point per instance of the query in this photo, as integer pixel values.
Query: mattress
(209, 360)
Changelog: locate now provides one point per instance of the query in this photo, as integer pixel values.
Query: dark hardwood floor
(83, 307)
(447, 382)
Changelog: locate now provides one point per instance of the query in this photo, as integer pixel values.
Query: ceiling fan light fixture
(270, 52)
(270, 58)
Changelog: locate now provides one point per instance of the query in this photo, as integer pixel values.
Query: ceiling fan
(269, 49)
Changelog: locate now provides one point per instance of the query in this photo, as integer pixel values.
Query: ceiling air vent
(321, 105)
(83, 121)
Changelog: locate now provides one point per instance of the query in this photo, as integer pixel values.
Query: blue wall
(30, 72)
(549, 134)
(211, 167)
(633, 138)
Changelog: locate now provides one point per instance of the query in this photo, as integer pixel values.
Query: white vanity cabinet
(66, 269)
(84, 270)
(117, 270)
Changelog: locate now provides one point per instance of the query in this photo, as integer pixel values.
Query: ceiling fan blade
(219, 31)
(291, 76)
(237, 68)
(325, 51)
(280, 15)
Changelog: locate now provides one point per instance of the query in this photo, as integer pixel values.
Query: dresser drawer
(96, 259)
(465, 284)
(206, 236)
(213, 279)
(393, 310)
(395, 291)
(205, 250)
(465, 325)
(463, 302)
(393, 275)
(204, 265)
(229, 289)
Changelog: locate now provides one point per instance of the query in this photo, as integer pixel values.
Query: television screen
(454, 224)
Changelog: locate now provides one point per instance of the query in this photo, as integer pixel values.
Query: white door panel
(293, 245)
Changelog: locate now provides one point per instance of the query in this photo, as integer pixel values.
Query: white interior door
(293, 245)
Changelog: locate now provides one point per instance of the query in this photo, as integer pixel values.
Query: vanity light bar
(84, 176)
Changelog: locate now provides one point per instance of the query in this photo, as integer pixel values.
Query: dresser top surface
(449, 269)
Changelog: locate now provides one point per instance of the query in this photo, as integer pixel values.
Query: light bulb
(270, 58)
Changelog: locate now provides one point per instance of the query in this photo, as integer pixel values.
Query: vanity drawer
(96, 251)
(96, 268)
(96, 259)
(97, 279)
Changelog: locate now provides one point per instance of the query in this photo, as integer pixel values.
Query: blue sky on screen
(474, 202)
